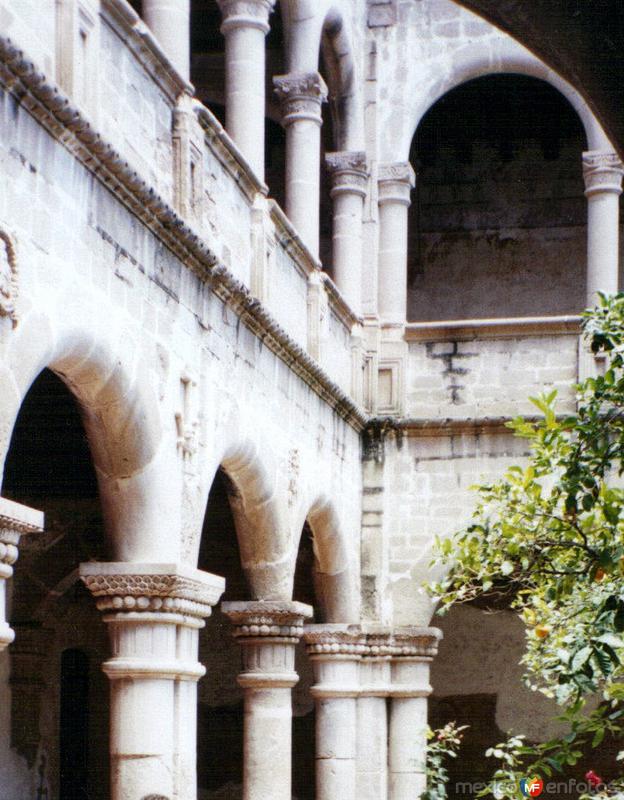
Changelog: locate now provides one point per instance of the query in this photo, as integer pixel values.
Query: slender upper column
(413, 649)
(301, 95)
(602, 172)
(169, 21)
(372, 720)
(335, 651)
(15, 521)
(154, 613)
(396, 182)
(349, 178)
(245, 25)
(268, 633)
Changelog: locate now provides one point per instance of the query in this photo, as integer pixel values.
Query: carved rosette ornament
(396, 181)
(348, 172)
(8, 276)
(301, 95)
(245, 14)
(602, 172)
(15, 521)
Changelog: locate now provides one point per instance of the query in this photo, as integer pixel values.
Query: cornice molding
(49, 106)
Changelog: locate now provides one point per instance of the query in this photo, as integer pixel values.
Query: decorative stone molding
(245, 14)
(301, 95)
(267, 618)
(348, 172)
(335, 640)
(141, 588)
(396, 181)
(8, 276)
(15, 521)
(602, 172)
(68, 125)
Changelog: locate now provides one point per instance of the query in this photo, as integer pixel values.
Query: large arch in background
(104, 368)
(478, 59)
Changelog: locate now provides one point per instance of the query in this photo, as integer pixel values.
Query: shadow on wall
(498, 219)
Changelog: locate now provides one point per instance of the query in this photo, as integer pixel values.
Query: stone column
(335, 651)
(413, 650)
(603, 185)
(154, 613)
(349, 179)
(372, 720)
(396, 182)
(245, 26)
(268, 632)
(301, 95)
(170, 22)
(15, 521)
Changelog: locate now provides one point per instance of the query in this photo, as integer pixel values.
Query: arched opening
(59, 696)
(497, 225)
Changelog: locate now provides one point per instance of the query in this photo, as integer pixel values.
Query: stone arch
(313, 27)
(104, 368)
(502, 55)
(261, 527)
(335, 583)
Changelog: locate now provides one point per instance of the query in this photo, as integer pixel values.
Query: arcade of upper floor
(224, 113)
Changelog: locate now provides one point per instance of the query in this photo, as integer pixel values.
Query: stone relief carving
(8, 276)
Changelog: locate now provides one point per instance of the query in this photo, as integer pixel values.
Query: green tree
(549, 536)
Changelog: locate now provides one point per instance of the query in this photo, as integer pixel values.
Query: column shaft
(301, 95)
(603, 186)
(335, 651)
(410, 688)
(395, 184)
(349, 179)
(268, 633)
(372, 726)
(153, 618)
(169, 21)
(245, 25)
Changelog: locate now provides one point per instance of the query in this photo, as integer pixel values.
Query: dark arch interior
(59, 713)
(497, 223)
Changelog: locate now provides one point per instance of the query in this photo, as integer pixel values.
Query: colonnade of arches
(237, 74)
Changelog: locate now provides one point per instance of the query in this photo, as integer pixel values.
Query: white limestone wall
(489, 377)
(31, 25)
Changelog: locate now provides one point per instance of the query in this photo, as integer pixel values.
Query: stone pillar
(396, 182)
(372, 721)
(335, 651)
(245, 26)
(413, 650)
(170, 22)
(349, 179)
(268, 632)
(154, 613)
(602, 172)
(301, 95)
(15, 521)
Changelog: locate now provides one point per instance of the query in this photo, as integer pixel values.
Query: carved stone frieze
(8, 276)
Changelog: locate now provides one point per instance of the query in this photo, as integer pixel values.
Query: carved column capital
(268, 632)
(602, 172)
(125, 587)
(348, 172)
(301, 95)
(15, 521)
(396, 181)
(335, 651)
(245, 14)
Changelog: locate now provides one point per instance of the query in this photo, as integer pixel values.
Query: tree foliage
(549, 536)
